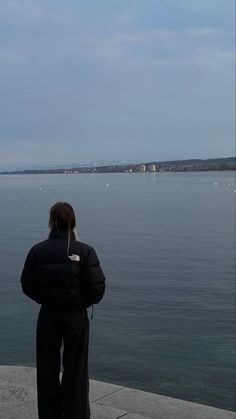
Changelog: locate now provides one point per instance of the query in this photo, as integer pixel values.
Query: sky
(144, 80)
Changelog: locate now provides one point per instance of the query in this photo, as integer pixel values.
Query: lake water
(166, 242)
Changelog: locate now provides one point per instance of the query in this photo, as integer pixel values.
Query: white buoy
(40, 189)
(229, 184)
(216, 183)
(107, 184)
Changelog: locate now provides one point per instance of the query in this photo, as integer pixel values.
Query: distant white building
(152, 168)
(142, 168)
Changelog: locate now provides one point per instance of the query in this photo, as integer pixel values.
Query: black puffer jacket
(53, 277)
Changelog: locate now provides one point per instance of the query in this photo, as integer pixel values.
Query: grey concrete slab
(18, 375)
(18, 397)
(18, 400)
(161, 407)
(105, 412)
(11, 393)
(99, 389)
(26, 410)
(18, 393)
(133, 416)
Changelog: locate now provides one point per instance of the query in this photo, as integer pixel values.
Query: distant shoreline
(193, 165)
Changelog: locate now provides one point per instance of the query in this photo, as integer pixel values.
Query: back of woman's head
(62, 217)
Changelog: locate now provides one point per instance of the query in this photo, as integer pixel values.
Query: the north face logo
(75, 258)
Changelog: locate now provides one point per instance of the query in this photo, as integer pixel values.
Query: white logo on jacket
(75, 258)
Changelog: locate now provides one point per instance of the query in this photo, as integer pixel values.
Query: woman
(64, 276)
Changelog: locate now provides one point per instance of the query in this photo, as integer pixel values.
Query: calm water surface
(166, 242)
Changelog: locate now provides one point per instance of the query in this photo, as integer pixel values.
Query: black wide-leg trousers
(67, 398)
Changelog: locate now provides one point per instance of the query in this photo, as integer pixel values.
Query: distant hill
(224, 163)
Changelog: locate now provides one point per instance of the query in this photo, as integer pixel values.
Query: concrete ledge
(108, 401)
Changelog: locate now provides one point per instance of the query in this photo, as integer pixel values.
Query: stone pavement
(108, 401)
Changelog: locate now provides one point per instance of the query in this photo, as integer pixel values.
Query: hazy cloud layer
(84, 81)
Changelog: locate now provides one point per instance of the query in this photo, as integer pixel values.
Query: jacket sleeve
(28, 278)
(93, 279)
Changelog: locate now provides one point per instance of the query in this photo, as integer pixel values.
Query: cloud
(40, 31)
(26, 9)
(112, 74)
(191, 47)
(203, 33)
(216, 59)
(11, 58)
(127, 18)
(194, 6)
(31, 12)
(120, 45)
(213, 60)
